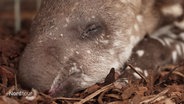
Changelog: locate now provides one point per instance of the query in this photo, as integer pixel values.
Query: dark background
(28, 9)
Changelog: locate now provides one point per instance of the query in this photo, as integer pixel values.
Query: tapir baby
(75, 43)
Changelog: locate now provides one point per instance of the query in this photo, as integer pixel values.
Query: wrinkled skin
(75, 43)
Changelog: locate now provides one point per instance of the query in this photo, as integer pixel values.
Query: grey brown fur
(75, 43)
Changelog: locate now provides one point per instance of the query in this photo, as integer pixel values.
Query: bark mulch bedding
(164, 87)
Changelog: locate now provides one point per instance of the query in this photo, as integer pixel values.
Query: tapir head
(75, 43)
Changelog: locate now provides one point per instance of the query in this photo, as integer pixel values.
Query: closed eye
(92, 30)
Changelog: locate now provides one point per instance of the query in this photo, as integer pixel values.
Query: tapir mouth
(57, 87)
(66, 87)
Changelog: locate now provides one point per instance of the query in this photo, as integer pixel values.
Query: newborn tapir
(75, 43)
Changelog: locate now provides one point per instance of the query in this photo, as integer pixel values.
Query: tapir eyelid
(93, 28)
(92, 31)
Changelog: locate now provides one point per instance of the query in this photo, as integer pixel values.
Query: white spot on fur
(88, 51)
(67, 20)
(65, 57)
(40, 41)
(108, 36)
(174, 10)
(174, 56)
(140, 53)
(61, 35)
(50, 34)
(93, 16)
(77, 52)
(136, 27)
(139, 18)
(81, 66)
(145, 73)
(104, 41)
